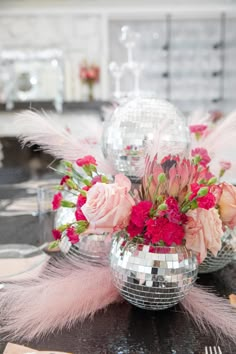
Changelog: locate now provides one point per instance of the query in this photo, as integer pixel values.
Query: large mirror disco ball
(139, 123)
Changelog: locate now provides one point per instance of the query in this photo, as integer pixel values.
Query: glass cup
(46, 214)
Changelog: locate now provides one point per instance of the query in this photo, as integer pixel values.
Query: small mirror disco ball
(139, 124)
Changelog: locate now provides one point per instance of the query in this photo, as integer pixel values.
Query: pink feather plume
(211, 312)
(67, 291)
(44, 130)
(220, 141)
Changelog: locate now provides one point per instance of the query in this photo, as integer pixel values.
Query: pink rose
(108, 206)
(203, 231)
(227, 204)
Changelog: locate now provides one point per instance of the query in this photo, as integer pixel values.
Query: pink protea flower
(181, 176)
(202, 156)
(56, 203)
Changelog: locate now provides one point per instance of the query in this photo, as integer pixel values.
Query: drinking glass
(46, 214)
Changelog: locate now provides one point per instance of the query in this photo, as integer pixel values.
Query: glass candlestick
(117, 72)
(129, 39)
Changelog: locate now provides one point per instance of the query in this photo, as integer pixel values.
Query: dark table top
(123, 328)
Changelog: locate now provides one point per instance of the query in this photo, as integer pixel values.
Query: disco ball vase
(90, 248)
(152, 278)
(138, 124)
(226, 254)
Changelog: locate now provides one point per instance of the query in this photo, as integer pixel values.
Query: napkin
(19, 349)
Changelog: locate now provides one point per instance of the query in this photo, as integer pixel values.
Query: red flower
(155, 228)
(134, 230)
(172, 233)
(194, 189)
(82, 199)
(56, 203)
(64, 179)
(207, 202)
(160, 229)
(203, 156)
(86, 160)
(56, 234)
(198, 128)
(173, 213)
(79, 215)
(72, 235)
(140, 213)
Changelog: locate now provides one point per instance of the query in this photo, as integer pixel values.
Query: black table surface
(122, 328)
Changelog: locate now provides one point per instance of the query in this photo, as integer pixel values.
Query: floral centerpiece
(201, 133)
(89, 75)
(179, 202)
(179, 212)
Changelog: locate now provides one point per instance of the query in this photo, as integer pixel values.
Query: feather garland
(43, 130)
(67, 291)
(210, 312)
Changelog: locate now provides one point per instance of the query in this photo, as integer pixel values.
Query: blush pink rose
(108, 206)
(227, 204)
(203, 231)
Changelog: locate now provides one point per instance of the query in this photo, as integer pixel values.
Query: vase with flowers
(161, 232)
(89, 75)
(207, 136)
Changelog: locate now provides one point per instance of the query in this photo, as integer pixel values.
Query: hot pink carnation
(225, 165)
(56, 203)
(198, 128)
(173, 213)
(207, 202)
(72, 235)
(96, 179)
(86, 160)
(203, 155)
(64, 179)
(79, 215)
(108, 206)
(134, 230)
(203, 231)
(56, 234)
(160, 229)
(173, 233)
(140, 213)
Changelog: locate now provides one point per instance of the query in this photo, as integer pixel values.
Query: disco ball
(226, 254)
(141, 123)
(152, 278)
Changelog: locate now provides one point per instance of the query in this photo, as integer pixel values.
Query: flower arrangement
(179, 202)
(89, 75)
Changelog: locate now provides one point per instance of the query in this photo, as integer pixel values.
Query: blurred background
(72, 58)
